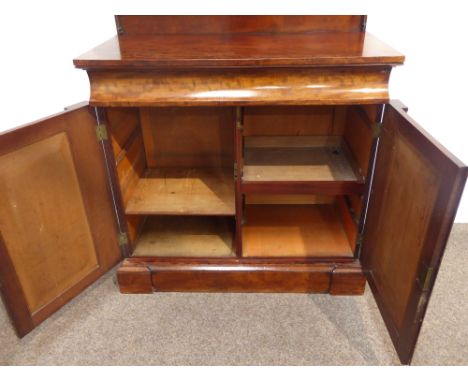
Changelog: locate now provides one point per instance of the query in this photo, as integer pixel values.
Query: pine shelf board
(283, 159)
(183, 191)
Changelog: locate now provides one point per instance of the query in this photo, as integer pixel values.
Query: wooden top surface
(163, 51)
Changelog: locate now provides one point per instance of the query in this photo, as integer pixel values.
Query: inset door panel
(57, 224)
(46, 231)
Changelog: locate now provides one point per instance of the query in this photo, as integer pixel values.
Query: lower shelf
(294, 231)
(186, 236)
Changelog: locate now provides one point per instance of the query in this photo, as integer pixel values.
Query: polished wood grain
(239, 50)
(299, 86)
(62, 213)
(234, 278)
(151, 24)
(134, 278)
(187, 236)
(183, 191)
(347, 281)
(239, 275)
(221, 261)
(416, 190)
(294, 231)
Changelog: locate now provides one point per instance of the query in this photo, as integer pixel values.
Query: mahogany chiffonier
(230, 154)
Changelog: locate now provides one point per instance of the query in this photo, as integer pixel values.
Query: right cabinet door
(415, 193)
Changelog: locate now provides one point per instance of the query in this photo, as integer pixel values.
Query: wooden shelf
(187, 236)
(277, 159)
(294, 231)
(183, 191)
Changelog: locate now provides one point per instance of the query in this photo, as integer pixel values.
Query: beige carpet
(104, 327)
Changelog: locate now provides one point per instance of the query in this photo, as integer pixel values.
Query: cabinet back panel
(294, 120)
(46, 232)
(131, 165)
(349, 225)
(358, 135)
(189, 137)
(121, 123)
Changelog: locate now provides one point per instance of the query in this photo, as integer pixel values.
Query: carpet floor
(104, 327)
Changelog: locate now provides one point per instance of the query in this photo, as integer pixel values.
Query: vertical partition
(238, 171)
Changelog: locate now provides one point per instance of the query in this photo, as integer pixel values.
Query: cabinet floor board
(294, 230)
(186, 236)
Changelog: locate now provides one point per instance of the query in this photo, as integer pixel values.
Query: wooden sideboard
(230, 154)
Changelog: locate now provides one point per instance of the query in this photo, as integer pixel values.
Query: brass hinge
(101, 133)
(422, 302)
(122, 239)
(235, 171)
(425, 277)
(377, 129)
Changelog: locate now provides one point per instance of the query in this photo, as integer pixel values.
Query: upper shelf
(311, 164)
(189, 191)
(164, 51)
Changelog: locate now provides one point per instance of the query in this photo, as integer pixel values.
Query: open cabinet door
(57, 227)
(415, 194)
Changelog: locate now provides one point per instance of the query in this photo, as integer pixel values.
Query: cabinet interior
(177, 169)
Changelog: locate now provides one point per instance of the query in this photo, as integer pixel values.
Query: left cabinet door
(58, 232)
